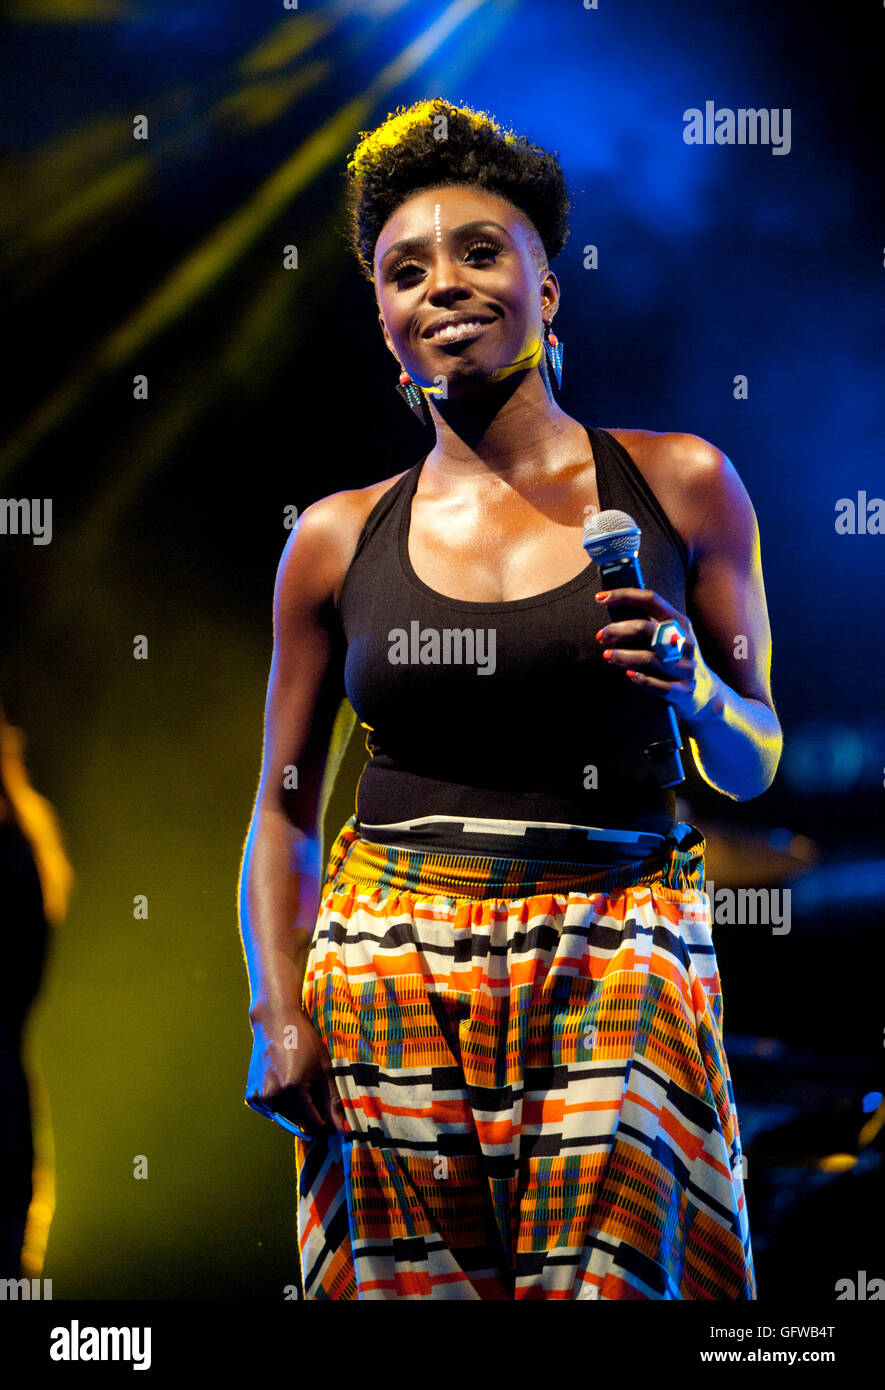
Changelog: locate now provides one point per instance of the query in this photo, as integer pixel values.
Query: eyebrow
(414, 243)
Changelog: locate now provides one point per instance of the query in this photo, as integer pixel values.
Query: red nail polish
(607, 654)
(631, 674)
(599, 634)
(602, 595)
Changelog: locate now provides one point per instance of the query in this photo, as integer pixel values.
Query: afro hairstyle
(433, 143)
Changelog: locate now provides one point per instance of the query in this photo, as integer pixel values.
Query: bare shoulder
(681, 461)
(322, 544)
(695, 482)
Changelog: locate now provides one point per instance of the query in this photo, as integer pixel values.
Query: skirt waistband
(678, 867)
(484, 837)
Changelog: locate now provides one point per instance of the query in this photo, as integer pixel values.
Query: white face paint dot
(436, 222)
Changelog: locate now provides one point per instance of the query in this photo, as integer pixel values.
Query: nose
(445, 284)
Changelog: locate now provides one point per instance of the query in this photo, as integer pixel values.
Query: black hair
(433, 143)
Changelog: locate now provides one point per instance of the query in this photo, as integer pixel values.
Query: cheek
(522, 306)
(526, 333)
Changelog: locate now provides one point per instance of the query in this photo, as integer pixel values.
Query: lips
(456, 328)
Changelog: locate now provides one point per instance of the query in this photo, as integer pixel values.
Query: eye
(400, 271)
(491, 248)
(487, 249)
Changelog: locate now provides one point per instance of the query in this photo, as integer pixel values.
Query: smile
(457, 332)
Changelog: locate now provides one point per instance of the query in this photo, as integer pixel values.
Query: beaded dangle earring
(413, 397)
(554, 352)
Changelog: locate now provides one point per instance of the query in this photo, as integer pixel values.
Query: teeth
(455, 331)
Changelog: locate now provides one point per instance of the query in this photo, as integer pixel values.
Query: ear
(550, 293)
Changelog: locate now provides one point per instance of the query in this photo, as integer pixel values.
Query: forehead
(431, 209)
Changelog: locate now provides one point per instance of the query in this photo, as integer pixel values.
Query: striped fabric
(518, 839)
(533, 1073)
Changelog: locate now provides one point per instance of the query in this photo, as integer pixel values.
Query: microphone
(612, 539)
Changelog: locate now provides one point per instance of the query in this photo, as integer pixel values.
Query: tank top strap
(387, 502)
(622, 487)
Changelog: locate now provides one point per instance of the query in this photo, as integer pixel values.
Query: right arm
(280, 877)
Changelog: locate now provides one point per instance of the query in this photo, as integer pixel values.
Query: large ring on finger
(668, 642)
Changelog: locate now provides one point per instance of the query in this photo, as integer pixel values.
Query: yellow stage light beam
(260, 102)
(51, 201)
(70, 11)
(295, 35)
(59, 169)
(291, 38)
(872, 1126)
(271, 320)
(222, 248)
(836, 1163)
(110, 190)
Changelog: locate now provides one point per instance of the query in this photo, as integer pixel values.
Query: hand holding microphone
(657, 652)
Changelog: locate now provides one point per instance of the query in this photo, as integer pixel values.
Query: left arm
(723, 697)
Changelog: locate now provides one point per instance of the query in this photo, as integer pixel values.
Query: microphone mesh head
(611, 535)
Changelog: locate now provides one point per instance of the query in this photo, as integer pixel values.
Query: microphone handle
(663, 740)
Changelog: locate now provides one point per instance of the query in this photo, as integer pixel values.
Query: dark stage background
(269, 388)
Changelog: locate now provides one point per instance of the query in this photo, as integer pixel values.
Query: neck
(514, 425)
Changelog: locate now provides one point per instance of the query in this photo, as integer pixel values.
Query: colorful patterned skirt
(531, 1062)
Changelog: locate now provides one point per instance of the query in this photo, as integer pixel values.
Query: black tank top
(502, 711)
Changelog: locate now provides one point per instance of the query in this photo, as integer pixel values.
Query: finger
(257, 1105)
(668, 689)
(333, 1104)
(295, 1104)
(309, 1119)
(311, 1126)
(626, 631)
(648, 663)
(611, 635)
(643, 598)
